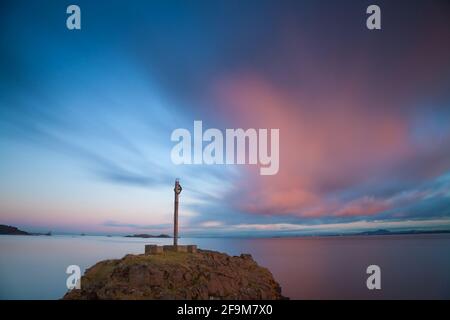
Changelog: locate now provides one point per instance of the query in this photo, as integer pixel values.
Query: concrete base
(175, 248)
(155, 249)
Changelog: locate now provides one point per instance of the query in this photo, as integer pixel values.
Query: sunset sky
(86, 116)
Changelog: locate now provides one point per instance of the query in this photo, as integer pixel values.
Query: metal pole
(177, 191)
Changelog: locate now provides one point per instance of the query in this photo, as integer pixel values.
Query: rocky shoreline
(178, 275)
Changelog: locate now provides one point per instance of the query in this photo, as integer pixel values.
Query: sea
(411, 266)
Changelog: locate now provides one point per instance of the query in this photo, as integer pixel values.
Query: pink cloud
(345, 120)
(363, 207)
(325, 143)
(331, 138)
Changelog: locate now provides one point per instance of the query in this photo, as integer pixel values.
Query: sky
(86, 115)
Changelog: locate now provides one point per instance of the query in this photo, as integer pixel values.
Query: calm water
(307, 268)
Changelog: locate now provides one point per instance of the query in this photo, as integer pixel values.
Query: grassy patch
(180, 258)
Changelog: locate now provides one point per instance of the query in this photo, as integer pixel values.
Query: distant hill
(387, 232)
(374, 232)
(378, 232)
(4, 229)
(13, 231)
(143, 235)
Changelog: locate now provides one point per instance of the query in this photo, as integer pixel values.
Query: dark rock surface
(11, 230)
(178, 275)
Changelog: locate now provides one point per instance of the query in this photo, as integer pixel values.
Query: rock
(178, 275)
(11, 230)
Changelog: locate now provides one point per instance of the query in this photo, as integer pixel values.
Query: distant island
(382, 232)
(144, 235)
(379, 232)
(14, 231)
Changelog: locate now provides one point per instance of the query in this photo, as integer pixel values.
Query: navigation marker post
(177, 191)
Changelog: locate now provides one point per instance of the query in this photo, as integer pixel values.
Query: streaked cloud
(85, 119)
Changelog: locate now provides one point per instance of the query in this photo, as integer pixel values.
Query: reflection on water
(413, 266)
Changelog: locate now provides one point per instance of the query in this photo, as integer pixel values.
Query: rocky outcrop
(4, 229)
(178, 275)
